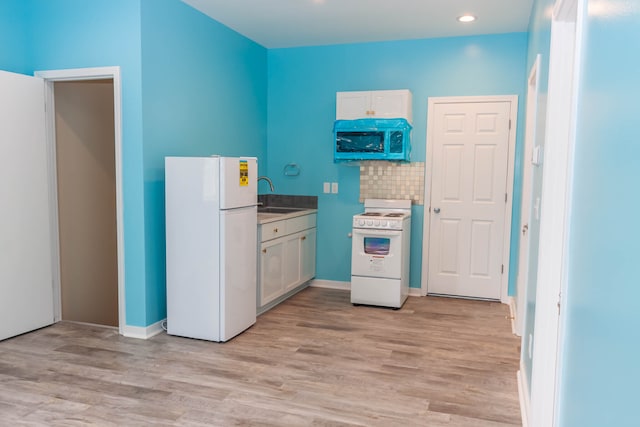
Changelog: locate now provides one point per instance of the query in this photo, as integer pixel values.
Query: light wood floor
(315, 360)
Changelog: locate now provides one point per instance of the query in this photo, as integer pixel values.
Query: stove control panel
(380, 224)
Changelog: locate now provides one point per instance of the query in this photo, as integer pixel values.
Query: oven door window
(360, 142)
(377, 245)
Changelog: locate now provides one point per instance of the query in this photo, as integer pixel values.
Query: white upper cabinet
(378, 104)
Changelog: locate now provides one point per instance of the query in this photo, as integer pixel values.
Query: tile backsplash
(391, 180)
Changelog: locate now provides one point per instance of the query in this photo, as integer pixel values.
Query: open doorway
(86, 189)
(104, 160)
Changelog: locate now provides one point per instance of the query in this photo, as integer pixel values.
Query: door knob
(436, 210)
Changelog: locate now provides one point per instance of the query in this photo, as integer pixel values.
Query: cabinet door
(271, 270)
(308, 255)
(291, 265)
(380, 104)
(391, 104)
(353, 105)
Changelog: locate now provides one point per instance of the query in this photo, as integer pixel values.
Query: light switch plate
(334, 187)
(326, 187)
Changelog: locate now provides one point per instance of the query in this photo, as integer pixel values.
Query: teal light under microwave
(372, 139)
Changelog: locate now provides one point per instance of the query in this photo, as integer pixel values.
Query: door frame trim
(81, 74)
(557, 185)
(432, 101)
(531, 123)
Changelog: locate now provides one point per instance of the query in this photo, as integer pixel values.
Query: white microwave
(372, 139)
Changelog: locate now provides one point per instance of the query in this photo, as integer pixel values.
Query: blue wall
(600, 372)
(79, 34)
(539, 44)
(14, 48)
(302, 87)
(190, 86)
(193, 87)
(204, 91)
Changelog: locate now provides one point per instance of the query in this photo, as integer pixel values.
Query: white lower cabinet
(308, 255)
(286, 258)
(271, 271)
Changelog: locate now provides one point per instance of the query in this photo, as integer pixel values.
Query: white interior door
(468, 198)
(26, 278)
(525, 206)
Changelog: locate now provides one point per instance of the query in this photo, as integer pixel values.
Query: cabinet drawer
(300, 223)
(271, 230)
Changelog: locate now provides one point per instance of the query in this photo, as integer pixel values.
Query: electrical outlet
(334, 187)
(326, 187)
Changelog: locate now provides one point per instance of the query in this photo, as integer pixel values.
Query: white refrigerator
(211, 232)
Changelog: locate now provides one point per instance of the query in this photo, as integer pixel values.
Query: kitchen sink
(278, 210)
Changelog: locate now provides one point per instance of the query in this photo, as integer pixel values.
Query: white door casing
(50, 77)
(525, 206)
(564, 76)
(469, 182)
(26, 264)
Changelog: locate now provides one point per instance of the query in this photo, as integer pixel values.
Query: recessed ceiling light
(466, 18)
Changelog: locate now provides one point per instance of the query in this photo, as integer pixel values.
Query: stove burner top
(384, 214)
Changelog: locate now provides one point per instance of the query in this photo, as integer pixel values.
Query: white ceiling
(292, 23)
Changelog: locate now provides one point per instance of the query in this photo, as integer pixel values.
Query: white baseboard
(523, 393)
(415, 292)
(331, 284)
(142, 332)
(512, 313)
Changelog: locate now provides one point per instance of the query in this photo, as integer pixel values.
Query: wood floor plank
(314, 360)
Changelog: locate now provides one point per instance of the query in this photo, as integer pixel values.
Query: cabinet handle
(275, 230)
(264, 251)
(303, 238)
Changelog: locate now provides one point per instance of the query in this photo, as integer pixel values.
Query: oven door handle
(373, 232)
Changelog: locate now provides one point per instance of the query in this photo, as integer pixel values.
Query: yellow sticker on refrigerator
(244, 173)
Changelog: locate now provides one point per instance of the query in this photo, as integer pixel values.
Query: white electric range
(380, 253)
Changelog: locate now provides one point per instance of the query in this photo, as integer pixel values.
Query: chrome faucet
(268, 181)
